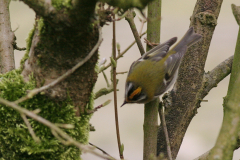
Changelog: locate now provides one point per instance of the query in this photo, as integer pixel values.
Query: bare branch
(229, 133)
(18, 48)
(30, 128)
(98, 107)
(104, 152)
(103, 91)
(151, 109)
(163, 123)
(236, 12)
(114, 81)
(130, 19)
(212, 78)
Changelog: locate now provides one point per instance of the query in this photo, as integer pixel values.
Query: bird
(156, 70)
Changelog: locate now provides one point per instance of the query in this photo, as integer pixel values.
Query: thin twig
(152, 44)
(105, 77)
(31, 131)
(121, 55)
(49, 124)
(18, 48)
(118, 49)
(122, 72)
(104, 152)
(65, 75)
(65, 142)
(103, 91)
(16, 28)
(143, 21)
(121, 16)
(115, 90)
(213, 77)
(163, 123)
(98, 107)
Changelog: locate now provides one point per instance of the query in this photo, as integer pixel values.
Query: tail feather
(188, 39)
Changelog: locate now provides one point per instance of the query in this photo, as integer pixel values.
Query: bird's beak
(123, 103)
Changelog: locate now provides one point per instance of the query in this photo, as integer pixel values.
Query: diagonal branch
(31, 131)
(212, 78)
(130, 18)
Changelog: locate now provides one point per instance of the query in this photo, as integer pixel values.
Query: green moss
(40, 25)
(59, 4)
(28, 46)
(17, 143)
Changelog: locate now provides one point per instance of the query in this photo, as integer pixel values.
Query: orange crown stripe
(135, 92)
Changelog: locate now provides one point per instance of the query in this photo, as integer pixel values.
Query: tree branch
(150, 125)
(45, 9)
(31, 131)
(212, 78)
(236, 12)
(127, 4)
(6, 39)
(182, 102)
(130, 18)
(114, 82)
(229, 134)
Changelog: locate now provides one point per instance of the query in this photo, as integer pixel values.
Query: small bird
(153, 73)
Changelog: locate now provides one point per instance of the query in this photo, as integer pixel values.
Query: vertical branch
(6, 39)
(115, 88)
(151, 108)
(229, 133)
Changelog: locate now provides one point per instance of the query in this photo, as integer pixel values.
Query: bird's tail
(188, 39)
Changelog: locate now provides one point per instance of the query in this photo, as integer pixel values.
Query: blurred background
(203, 130)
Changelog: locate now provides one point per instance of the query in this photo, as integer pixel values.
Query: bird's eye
(135, 92)
(167, 76)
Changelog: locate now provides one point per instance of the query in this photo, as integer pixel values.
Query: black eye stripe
(167, 76)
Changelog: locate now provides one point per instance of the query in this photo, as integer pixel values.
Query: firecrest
(153, 73)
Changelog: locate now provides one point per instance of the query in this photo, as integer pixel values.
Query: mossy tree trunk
(63, 35)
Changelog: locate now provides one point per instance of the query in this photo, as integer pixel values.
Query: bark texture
(63, 36)
(6, 39)
(182, 102)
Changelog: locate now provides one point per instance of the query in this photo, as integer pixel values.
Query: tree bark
(63, 36)
(6, 39)
(182, 102)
